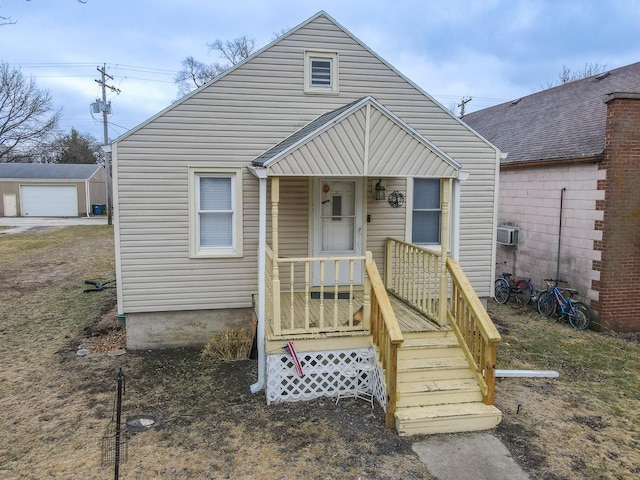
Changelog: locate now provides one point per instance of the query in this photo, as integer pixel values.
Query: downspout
(262, 248)
(87, 195)
(559, 233)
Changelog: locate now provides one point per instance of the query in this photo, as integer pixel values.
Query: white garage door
(49, 200)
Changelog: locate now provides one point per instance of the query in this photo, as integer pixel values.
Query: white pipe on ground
(526, 374)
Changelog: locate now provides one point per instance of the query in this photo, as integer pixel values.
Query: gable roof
(279, 39)
(564, 122)
(48, 171)
(356, 139)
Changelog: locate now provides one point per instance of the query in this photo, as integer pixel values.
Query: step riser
(438, 334)
(439, 352)
(421, 399)
(424, 375)
(447, 425)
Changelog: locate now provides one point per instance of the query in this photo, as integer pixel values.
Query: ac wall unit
(508, 235)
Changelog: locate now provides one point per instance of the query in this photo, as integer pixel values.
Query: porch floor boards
(409, 319)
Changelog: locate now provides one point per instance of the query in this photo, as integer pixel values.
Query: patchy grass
(55, 407)
(586, 423)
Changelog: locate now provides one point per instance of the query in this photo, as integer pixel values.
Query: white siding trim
(116, 227)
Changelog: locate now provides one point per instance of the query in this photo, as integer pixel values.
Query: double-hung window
(216, 217)
(320, 72)
(427, 210)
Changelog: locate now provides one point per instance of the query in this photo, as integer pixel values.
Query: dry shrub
(228, 346)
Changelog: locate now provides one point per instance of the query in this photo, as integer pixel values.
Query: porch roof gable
(361, 138)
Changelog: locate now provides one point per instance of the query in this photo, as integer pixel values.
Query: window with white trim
(320, 72)
(427, 211)
(216, 212)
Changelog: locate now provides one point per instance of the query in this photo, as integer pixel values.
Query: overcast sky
(491, 50)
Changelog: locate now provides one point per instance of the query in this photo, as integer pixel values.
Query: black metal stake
(118, 418)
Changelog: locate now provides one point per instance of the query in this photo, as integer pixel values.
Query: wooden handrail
(386, 334)
(476, 332)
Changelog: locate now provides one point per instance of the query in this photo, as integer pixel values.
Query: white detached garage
(50, 190)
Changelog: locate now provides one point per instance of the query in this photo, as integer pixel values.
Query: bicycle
(577, 313)
(506, 286)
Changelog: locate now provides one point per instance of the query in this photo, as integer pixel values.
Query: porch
(345, 310)
(428, 377)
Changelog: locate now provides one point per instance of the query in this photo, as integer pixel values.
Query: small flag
(291, 350)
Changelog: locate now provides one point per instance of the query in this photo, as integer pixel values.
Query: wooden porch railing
(385, 332)
(412, 273)
(475, 331)
(416, 274)
(289, 305)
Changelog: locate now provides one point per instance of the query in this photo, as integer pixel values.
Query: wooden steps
(437, 391)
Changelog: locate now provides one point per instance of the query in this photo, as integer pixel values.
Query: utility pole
(106, 109)
(462, 104)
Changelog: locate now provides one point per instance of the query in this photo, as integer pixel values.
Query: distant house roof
(564, 122)
(48, 171)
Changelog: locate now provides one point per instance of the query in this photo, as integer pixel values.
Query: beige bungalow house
(317, 191)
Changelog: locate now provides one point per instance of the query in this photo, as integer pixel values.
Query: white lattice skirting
(326, 374)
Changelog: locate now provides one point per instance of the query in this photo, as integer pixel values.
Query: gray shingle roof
(563, 122)
(48, 171)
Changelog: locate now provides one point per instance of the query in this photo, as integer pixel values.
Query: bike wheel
(524, 292)
(547, 303)
(580, 316)
(501, 292)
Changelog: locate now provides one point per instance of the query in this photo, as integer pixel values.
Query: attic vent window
(603, 75)
(517, 101)
(321, 72)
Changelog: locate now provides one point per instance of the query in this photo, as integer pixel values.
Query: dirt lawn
(56, 406)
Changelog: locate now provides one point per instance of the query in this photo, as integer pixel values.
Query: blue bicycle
(577, 313)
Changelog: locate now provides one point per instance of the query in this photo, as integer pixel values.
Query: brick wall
(618, 300)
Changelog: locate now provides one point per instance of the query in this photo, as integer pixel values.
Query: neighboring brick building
(574, 151)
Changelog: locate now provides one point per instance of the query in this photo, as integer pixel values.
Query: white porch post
(275, 199)
(444, 242)
(262, 247)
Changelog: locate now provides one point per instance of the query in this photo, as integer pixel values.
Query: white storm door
(337, 228)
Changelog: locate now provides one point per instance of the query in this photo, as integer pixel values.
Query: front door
(337, 227)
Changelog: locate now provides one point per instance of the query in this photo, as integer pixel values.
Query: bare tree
(567, 75)
(234, 51)
(9, 21)
(27, 118)
(194, 73)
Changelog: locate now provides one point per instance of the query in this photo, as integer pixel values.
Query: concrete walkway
(22, 224)
(468, 456)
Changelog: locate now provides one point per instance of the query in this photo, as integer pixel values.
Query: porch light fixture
(380, 189)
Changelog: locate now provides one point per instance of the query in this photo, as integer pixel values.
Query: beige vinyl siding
(393, 150)
(337, 151)
(235, 119)
(385, 220)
